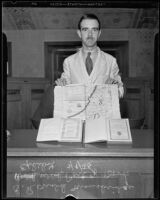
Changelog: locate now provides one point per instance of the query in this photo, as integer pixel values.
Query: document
(113, 131)
(86, 101)
(119, 130)
(60, 129)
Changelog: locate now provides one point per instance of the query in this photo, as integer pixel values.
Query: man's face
(89, 32)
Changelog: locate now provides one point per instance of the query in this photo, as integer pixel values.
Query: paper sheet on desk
(86, 101)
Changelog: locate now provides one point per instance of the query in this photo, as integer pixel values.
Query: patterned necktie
(89, 63)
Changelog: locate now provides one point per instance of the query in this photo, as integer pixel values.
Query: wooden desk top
(22, 142)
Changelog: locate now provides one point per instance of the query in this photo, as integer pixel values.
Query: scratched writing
(19, 176)
(69, 176)
(33, 166)
(82, 166)
(45, 166)
(31, 189)
(102, 188)
(71, 182)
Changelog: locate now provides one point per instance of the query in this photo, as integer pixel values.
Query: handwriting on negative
(72, 176)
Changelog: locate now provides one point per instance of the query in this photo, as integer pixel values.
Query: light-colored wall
(28, 49)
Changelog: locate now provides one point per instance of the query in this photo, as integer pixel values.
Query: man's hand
(120, 87)
(121, 92)
(111, 81)
(61, 82)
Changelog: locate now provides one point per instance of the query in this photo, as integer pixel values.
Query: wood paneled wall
(138, 101)
(23, 97)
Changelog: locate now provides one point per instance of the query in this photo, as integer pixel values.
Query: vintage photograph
(79, 99)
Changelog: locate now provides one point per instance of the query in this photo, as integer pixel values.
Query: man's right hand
(61, 82)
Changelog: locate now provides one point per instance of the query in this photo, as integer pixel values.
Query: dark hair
(88, 16)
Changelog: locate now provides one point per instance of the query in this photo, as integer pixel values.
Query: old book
(113, 131)
(86, 101)
(60, 130)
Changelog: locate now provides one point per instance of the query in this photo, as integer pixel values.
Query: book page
(69, 101)
(104, 102)
(49, 129)
(95, 130)
(119, 130)
(86, 101)
(71, 130)
(74, 92)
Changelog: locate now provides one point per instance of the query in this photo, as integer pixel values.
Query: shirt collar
(95, 50)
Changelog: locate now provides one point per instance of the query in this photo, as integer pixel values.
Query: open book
(60, 129)
(86, 101)
(114, 131)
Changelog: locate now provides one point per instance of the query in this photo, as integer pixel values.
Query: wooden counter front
(92, 171)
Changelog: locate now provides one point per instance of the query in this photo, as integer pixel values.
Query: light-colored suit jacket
(104, 67)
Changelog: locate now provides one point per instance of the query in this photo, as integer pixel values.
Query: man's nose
(90, 32)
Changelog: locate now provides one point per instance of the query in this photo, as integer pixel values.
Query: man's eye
(84, 29)
(95, 29)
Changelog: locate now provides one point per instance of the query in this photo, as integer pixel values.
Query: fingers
(114, 81)
(111, 81)
(58, 82)
(64, 82)
(61, 82)
(121, 92)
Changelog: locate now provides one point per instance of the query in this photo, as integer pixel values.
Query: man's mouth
(90, 38)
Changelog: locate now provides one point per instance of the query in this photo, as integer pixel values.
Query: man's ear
(79, 33)
(99, 33)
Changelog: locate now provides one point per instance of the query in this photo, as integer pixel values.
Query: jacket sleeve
(114, 73)
(66, 71)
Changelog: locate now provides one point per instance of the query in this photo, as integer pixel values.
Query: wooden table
(93, 171)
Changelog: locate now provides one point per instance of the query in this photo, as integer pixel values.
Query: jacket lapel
(85, 75)
(99, 67)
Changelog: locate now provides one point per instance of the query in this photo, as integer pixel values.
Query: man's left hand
(111, 81)
(120, 88)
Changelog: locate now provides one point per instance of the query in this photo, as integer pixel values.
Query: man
(90, 65)
(97, 67)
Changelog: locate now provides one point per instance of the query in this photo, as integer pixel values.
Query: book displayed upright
(86, 101)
